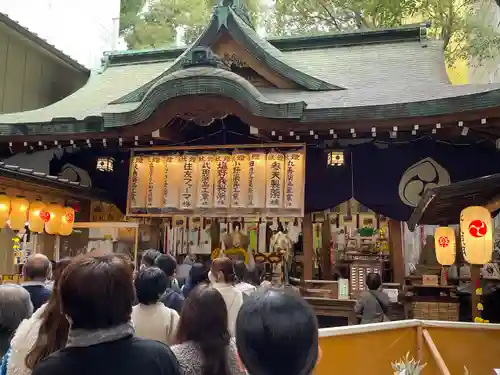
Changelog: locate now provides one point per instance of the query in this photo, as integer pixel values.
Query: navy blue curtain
(376, 171)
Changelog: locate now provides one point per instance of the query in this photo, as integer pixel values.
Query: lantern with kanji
(4, 209)
(476, 232)
(18, 212)
(445, 245)
(37, 216)
(53, 212)
(67, 221)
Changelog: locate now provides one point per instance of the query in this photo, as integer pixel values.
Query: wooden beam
(420, 344)
(396, 251)
(435, 353)
(218, 147)
(475, 276)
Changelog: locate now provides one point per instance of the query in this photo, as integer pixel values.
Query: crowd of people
(98, 314)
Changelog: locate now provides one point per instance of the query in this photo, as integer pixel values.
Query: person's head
(150, 284)
(167, 264)
(241, 271)
(97, 292)
(37, 268)
(203, 321)
(197, 274)
(53, 331)
(277, 334)
(373, 281)
(222, 271)
(15, 306)
(148, 258)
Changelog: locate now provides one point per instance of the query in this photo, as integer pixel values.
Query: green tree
(454, 21)
(155, 23)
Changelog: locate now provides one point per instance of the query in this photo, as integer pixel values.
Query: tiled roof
(73, 188)
(380, 74)
(10, 23)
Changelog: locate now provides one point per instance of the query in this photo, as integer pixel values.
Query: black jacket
(127, 356)
(173, 300)
(39, 294)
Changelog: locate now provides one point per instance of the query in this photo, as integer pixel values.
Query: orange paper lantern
(4, 209)
(53, 212)
(35, 216)
(476, 232)
(18, 213)
(67, 221)
(445, 245)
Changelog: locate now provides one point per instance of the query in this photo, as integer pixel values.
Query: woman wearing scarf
(97, 294)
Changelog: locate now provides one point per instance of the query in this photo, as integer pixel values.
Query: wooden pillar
(326, 264)
(396, 251)
(475, 277)
(307, 240)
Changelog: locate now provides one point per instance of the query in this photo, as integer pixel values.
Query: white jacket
(23, 341)
(234, 299)
(155, 322)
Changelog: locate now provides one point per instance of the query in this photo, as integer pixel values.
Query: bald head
(37, 268)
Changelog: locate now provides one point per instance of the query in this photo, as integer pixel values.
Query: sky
(81, 29)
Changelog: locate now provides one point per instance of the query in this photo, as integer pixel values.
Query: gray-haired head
(15, 306)
(37, 268)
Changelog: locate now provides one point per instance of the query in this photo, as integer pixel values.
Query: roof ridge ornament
(240, 8)
(202, 56)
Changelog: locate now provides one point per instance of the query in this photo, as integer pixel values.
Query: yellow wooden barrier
(370, 349)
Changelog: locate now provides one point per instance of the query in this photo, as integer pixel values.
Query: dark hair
(203, 321)
(97, 292)
(277, 333)
(150, 284)
(37, 267)
(149, 256)
(241, 271)
(373, 281)
(224, 265)
(166, 263)
(53, 331)
(197, 274)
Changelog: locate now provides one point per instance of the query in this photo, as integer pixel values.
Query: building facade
(33, 73)
(90, 27)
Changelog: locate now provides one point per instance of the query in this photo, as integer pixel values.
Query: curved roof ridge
(224, 17)
(200, 81)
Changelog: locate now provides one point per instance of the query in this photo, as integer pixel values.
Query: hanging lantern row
(53, 218)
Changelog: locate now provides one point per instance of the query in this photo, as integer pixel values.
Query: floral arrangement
(407, 366)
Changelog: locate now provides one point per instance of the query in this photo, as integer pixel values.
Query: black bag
(384, 308)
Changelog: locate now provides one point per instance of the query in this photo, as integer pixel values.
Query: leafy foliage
(407, 366)
(157, 23)
(465, 36)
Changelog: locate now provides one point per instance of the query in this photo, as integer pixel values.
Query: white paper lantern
(445, 245)
(476, 232)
